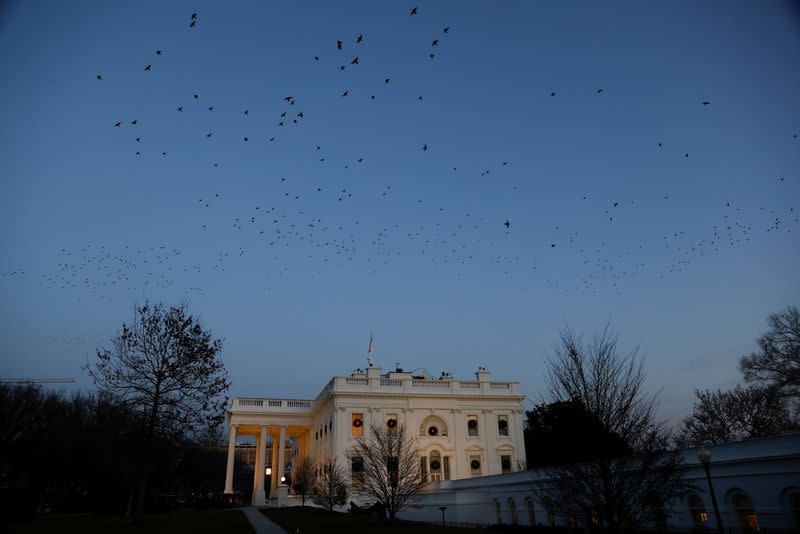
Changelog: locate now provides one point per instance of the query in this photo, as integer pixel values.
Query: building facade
(463, 428)
(756, 484)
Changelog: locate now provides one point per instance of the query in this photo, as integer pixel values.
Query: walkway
(260, 523)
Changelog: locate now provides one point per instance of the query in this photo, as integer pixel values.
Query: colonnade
(278, 435)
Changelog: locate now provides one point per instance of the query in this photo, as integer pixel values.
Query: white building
(463, 428)
(756, 483)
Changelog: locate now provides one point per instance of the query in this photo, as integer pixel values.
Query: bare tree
(391, 472)
(778, 362)
(330, 487)
(166, 369)
(740, 413)
(303, 478)
(624, 486)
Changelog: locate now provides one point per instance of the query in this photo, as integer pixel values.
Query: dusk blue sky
(90, 228)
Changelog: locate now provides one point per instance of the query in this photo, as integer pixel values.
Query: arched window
(531, 512)
(498, 512)
(433, 426)
(697, 509)
(512, 506)
(745, 515)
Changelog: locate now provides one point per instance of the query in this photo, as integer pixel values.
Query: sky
(629, 201)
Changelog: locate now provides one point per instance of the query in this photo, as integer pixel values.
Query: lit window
(498, 512)
(748, 520)
(502, 425)
(357, 425)
(531, 512)
(513, 507)
(472, 426)
(698, 512)
(391, 421)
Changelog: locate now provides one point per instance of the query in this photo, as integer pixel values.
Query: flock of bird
(449, 239)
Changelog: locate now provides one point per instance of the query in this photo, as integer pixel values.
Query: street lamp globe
(704, 455)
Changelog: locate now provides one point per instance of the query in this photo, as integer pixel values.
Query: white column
(261, 462)
(231, 458)
(273, 483)
(281, 453)
(255, 470)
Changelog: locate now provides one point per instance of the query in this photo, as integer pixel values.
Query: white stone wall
(767, 471)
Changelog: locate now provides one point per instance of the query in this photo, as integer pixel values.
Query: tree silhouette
(167, 371)
(625, 483)
(778, 362)
(391, 473)
(330, 487)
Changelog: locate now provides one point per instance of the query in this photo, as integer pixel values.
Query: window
(356, 470)
(433, 426)
(472, 426)
(446, 467)
(502, 425)
(435, 464)
(391, 421)
(357, 425)
(531, 512)
(505, 463)
(697, 509)
(748, 520)
(498, 510)
(512, 506)
(423, 468)
(475, 464)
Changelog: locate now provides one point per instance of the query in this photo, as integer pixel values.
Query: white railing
(391, 382)
(345, 384)
(356, 381)
(431, 384)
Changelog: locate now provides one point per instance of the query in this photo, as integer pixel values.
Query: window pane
(357, 425)
(446, 463)
(472, 425)
(502, 425)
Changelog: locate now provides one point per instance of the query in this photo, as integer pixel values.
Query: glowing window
(472, 426)
(357, 425)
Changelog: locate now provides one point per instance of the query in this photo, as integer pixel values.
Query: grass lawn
(307, 519)
(194, 521)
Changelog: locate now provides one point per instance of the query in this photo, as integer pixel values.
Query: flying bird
(414, 11)
(246, 112)
(431, 55)
(119, 124)
(552, 93)
(508, 224)
(446, 29)
(360, 38)
(147, 67)
(387, 80)
(599, 91)
(99, 77)
(419, 97)
(355, 61)
(196, 97)
(338, 45)
(316, 58)
(435, 42)
(135, 122)
(194, 16)
(158, 52)
(288, 98)
(425, 148)
(211, 108)
(342, 67)
(193, 24)
(245, 139)
(345, 93)
(138, 139)
(180, 108)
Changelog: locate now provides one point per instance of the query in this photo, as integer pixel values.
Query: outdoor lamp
(704, 455)
(283, 479)
(268, 471)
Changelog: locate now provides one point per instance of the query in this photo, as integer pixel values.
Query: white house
(463, 428)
